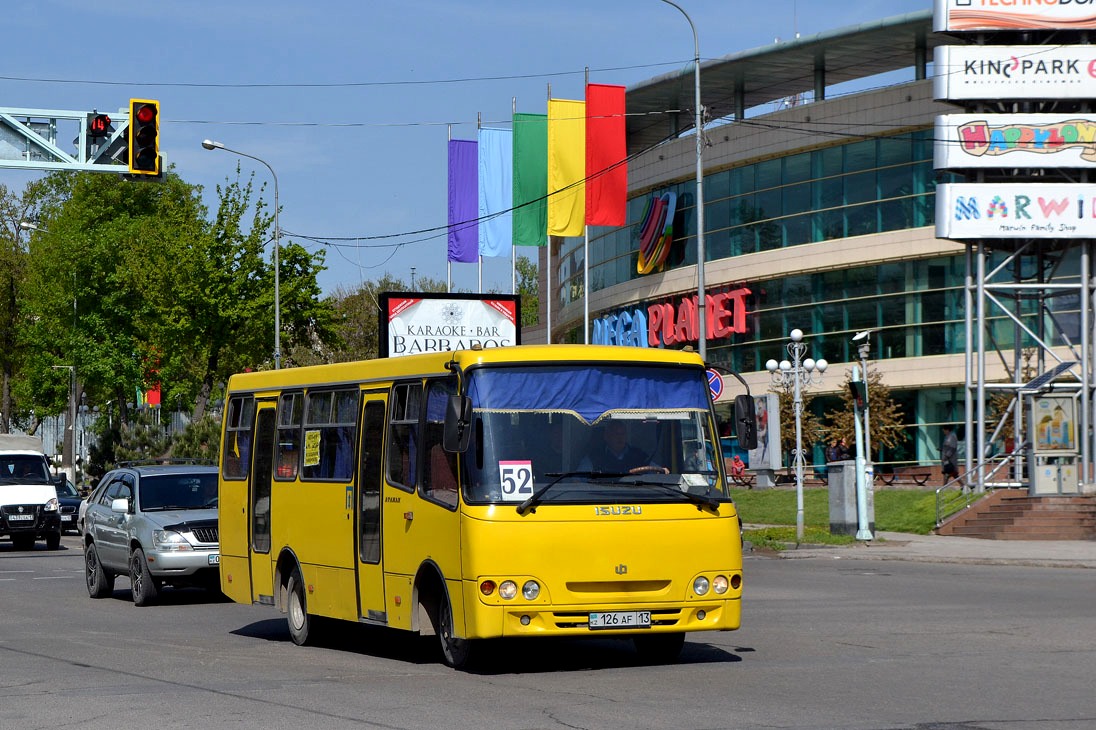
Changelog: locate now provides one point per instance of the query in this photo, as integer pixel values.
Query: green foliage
(885, 415)
(811, 427)
(201, 439)
(355, 321)
(143, 439)
(528, 286)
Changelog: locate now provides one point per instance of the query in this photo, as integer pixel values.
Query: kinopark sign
(1014, 72)
(1015, 140)
(979, 15)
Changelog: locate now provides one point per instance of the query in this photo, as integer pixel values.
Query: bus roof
(435, 363)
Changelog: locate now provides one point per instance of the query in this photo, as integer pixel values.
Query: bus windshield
(583, 434)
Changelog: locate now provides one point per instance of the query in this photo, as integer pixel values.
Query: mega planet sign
(674, 322)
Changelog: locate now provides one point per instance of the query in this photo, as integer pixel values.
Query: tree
(528, 286)
(810, 426)
(13, 261)
(885, 415)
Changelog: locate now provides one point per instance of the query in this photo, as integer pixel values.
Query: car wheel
(659, 648)
(23, 542)
(145, 589)
(53, 541)
(100, 583)
(456, 653)
(301, 625)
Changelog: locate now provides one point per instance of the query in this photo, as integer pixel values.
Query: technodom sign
(979, 15)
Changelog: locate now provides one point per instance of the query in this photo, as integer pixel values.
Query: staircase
(1008, 514)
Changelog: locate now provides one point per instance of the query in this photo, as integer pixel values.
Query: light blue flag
(496, 191)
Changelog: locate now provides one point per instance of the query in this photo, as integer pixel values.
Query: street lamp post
(701, 296)
(212, 145)
(68, 443)
(864, 347)
(797, 373)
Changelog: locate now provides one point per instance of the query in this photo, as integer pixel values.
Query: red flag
(606, 156)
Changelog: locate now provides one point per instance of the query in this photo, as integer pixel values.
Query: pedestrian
(949, 450)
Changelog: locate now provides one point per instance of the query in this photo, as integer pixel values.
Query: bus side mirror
(745, 422)
(458, 424)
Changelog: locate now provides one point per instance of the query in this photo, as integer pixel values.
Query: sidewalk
(941, 549)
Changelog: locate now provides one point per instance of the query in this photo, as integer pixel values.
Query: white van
(29, 509)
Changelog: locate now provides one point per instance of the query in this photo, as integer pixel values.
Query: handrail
(946, 505)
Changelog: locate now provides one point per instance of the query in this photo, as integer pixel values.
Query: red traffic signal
(144, 137)
(99, 125)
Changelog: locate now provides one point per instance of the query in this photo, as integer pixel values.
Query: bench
(919, 478)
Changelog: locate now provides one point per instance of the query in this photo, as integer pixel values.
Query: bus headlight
(508, 589)
(700, 585)
(720, 584)
(530, 590)
(487, 587)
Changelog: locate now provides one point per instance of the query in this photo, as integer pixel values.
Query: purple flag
(463, 201)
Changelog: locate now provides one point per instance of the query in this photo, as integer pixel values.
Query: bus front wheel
(456, 652)
(300, 624)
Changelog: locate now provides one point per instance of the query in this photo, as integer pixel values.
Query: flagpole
(548, 336)
(479, 251)
(586, 258)
(449, 261)
(513, 248)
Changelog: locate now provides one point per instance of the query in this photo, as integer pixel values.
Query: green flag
(530, 179)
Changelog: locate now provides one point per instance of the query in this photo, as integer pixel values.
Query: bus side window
(290, 409)
(440, 480)
(235, 456)
(403, 434)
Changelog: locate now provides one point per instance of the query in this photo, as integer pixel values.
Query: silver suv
(155, 523)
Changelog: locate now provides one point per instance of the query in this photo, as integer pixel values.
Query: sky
(351, 102)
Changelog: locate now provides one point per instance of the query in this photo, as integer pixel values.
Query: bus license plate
(215, 559)
(621, 620)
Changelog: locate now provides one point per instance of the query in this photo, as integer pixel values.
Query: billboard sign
(767, 455)
(1053, 423)
(1016, 210)
(412, 323)
(979, 15)
(1014, 72)
(1014, 140)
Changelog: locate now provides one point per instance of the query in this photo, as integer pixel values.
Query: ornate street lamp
(797, 373)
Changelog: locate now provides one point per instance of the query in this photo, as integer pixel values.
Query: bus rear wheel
(300, 623)
(457, 653)
(659, 648)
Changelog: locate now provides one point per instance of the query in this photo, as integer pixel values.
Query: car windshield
(66, 489)
(24, 469)
(605, 433)
(178, 491)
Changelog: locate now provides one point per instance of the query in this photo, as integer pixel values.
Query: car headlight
(52, 505)
(170, 541)
(700, 585)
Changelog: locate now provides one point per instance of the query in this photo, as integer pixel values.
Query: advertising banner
(412, 323)
(1016, 210)
(1053, 420)
(1014, 72)
(1014, 140)
(767, 455)
(978, 15)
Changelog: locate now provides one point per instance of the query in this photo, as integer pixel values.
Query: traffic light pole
(100, 147)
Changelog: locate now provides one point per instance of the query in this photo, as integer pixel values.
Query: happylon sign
(1014, 140)
(978, 15)
(1014, 72)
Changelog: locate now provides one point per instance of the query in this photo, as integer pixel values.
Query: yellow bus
(536, 490)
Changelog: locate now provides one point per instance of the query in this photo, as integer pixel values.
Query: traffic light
(859, 391)
(144, 137)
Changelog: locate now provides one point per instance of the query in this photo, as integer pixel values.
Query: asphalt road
(824, 644)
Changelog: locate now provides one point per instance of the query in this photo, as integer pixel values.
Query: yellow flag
(566, 167)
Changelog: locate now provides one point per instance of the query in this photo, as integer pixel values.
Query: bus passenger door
(371, 605)
(262, 470)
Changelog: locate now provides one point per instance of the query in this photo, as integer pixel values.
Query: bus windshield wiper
(534, 500)
(699, 500)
